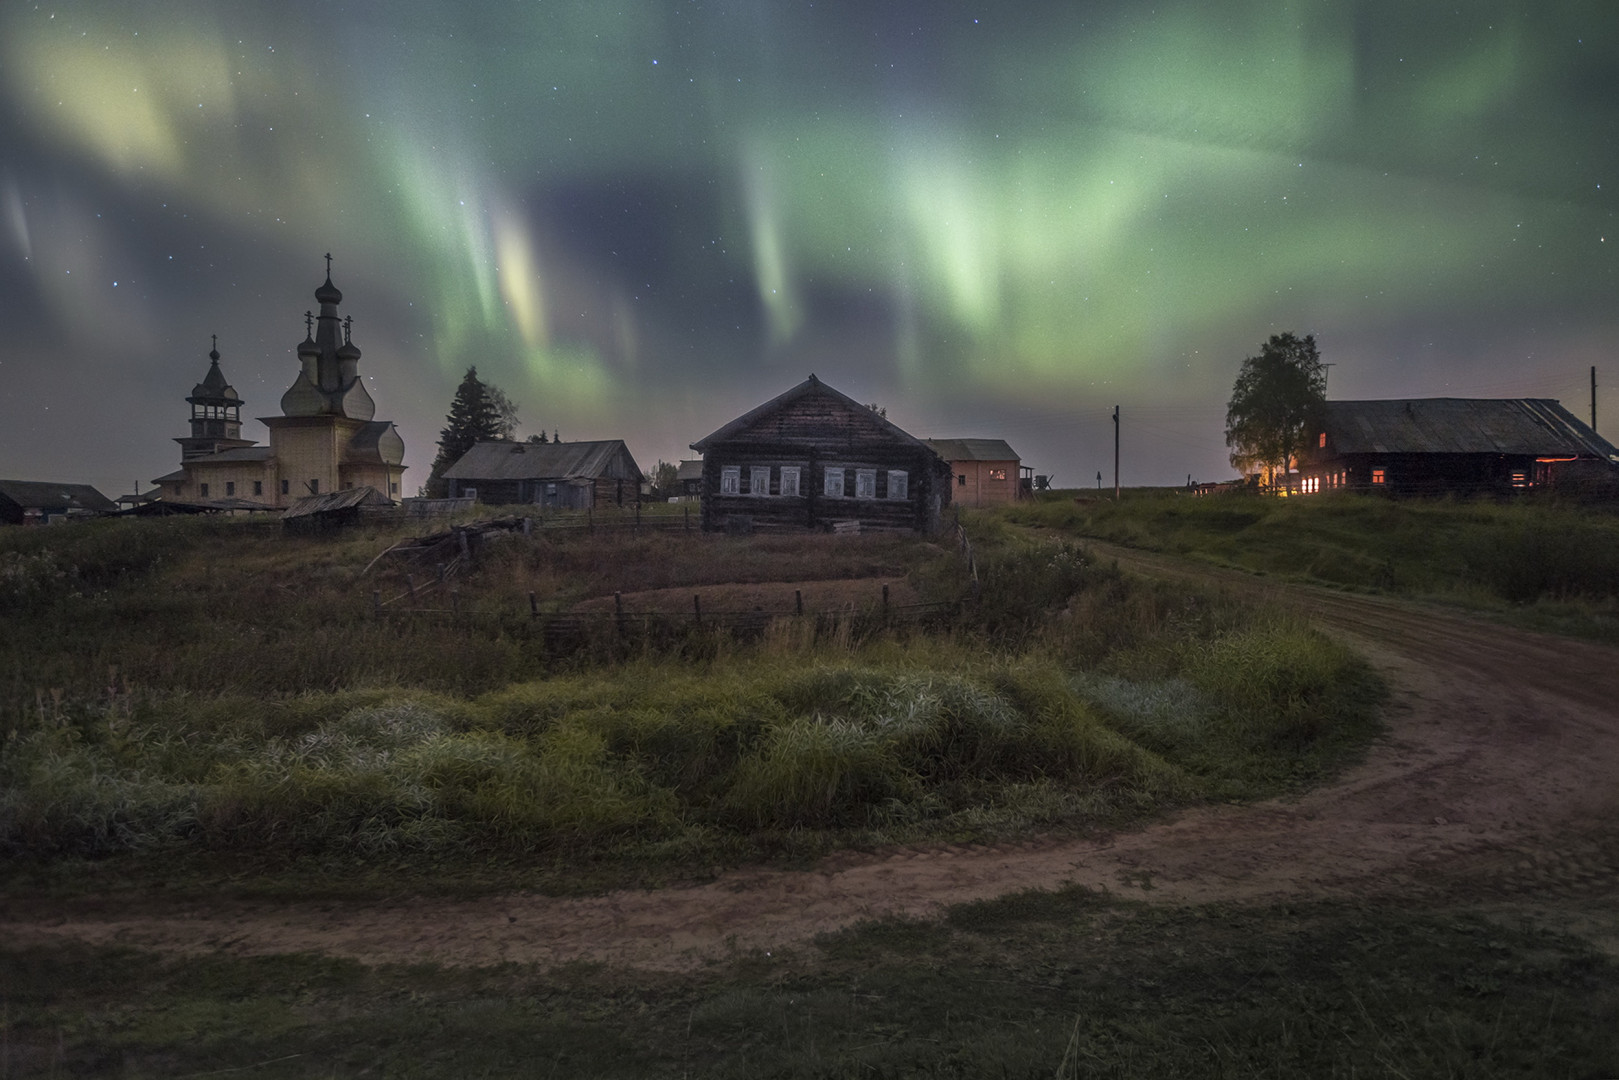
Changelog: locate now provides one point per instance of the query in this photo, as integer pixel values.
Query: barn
(563, 475)
(814, 458)
(1462, 446)
(38, 502)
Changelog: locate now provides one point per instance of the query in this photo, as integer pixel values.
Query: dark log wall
(1435, 474)
(816, 435)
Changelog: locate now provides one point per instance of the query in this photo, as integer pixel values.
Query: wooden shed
(986, 471)
(564, 475)
(38, 502)
(1463, 446)
(814, 458)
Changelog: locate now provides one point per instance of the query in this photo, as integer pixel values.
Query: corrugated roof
(1525, 426)
(546, 461)
(346, 499)
(973, 449)
(44, 495)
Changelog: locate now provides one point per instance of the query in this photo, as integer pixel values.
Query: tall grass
(233, 692)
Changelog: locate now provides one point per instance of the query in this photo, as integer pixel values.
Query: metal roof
(604, 458)
(44, 495)
(336, 500)
(1537, 427)
(973, 449)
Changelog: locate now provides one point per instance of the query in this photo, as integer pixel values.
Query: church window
(230, 487)
(203, 489)
(258, 487)
(286, 486)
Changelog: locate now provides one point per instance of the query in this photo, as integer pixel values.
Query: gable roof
(1539, 427)
(973, 449)
(502, 460)
(810, 387)
(44, 495)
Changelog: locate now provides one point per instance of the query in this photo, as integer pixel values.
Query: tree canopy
(1276, 399)
(479, 412)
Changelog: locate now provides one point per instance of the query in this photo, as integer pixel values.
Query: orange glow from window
(1377, 476)
(1557, 459)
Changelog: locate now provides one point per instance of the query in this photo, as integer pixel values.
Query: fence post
(685, 512)
(528, 526)
(798, 602)
(533, 606)
(885, 603)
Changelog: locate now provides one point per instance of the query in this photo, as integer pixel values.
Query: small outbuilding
(986, 472)
(562, 475)
(814, 458)
(39, 502)
(1462, 446)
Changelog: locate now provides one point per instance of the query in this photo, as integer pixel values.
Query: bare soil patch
(1494, 787)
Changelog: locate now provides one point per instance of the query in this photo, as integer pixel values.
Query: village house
(814, 458)
(325, 439)
(560, 475)
(39, 502)
(986, 472)
(1463, 446)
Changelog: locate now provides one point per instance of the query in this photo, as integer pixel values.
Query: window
(1322, 441)
(997, 474)
(314, 487)
(961, 480)
(230, 487)
(1378, 476)
(258, 487)
(834, 484)
(898, 484)
(759, 480)
(203, 489)
(285, 485)
(865, 483)
(789, 481)
(731, 480)
(393, 487)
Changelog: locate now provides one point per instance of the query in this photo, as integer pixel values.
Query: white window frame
(899, 484)
(759, 480)
(789, 481)
(865, 483)
(832, 486)
(731, 480)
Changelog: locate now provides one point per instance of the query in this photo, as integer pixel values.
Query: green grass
(210, 701)
(1547, 564)
(1063, 984)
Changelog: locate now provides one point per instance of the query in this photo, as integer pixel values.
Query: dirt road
(1498, 784)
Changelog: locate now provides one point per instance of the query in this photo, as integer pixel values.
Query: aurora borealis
(641, 219)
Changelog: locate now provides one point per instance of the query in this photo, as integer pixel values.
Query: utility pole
(1115, 453)
(1593, 397)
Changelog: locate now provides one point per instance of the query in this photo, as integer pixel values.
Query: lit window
(731, 480)
(834, 484)
(1520, 479)
(898, 484)
(865, 483)
(997, 474)
(1378, 476)
(759, 480)
(1322, 442)
(789, 481)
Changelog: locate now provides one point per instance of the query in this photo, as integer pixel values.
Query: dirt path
(1498, 783)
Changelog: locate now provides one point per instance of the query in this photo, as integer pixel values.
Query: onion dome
(328, 293)
(348, 351)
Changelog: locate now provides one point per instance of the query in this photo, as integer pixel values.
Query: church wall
(306, 451)
(230, 480)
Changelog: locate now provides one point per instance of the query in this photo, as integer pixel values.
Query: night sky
(641, 219)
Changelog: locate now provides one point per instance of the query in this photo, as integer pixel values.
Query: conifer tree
(474, 417)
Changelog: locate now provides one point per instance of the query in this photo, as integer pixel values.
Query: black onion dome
(328, 293)
(348, 351)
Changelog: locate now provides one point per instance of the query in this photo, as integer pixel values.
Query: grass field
(207, 694)
(1541, 564)
(1065, 984)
